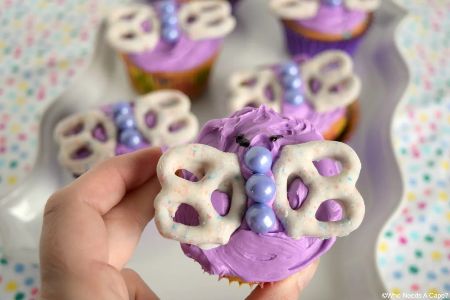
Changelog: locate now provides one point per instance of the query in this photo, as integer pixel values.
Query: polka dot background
(413, 253)
(44, 45)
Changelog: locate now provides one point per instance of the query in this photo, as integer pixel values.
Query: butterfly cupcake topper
(137, 28)
(161, 118)
(217, 170)
(306, 9)
(327, 81)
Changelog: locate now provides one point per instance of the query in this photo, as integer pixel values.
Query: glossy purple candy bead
(258, 159)
(125, 121)
(293, 97)
(332, 2)
(290, 69)
(131, 138)
(122, 108)
(260, 218)
(260, 188)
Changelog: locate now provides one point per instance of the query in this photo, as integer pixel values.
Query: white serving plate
(348, 271)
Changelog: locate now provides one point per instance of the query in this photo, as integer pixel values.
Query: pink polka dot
(422, 205)
(402, 240)
(409, 219)
(415, 287)
(22, 137)
(447, 243)
(399, 228)
(34, 291)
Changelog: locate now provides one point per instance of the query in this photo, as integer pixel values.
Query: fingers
(287, 289)
(127, 220)
(105, 185)
(74, 231)
(137, 289)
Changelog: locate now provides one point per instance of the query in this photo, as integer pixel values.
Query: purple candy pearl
(260, 218)
(290, 69)
(170, 34)
(332, 2)
(258, 159)
(260, 188)
(131, 138)
(122, 108)
(291, 82)
(125, 121)
(293, 97)
(167, 7)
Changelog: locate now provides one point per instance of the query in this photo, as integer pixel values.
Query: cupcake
(161, 118)
(323, 89)
(259, 196)
(312, 26)
(166, 45)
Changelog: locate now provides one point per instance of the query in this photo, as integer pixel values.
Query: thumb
(286, 289)
(137, 288)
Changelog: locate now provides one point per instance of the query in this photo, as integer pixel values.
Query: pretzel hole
(330, 211)
(82, 152)
(341, 86)
(253, 103)
(74, 130)
(128, 16)
(251, 82)
(221, 202)
(186, 215)
(190, 176)
(151, 119)
(290, 4)
(297, 192)
(330, 66)
(146, 26)
(269, 92)
(191, 19)
(215, 22)
(128, 35)
(328, 167)
(99, 133)
(210, 8)
(177, 126)
(169, 102)
(314, 85)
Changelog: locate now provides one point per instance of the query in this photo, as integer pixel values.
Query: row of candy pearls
(170, 31)
(124, 119)
(290, 79)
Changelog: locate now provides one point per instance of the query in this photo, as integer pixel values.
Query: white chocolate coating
(306, 9)
(297, 161)
(126, 32)
(170, 107)
(71, 143)
(221, 172)
(243, 94)
(341, 75)
(206, 19)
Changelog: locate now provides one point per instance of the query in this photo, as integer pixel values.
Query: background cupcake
(161, 118)
(323, 90)
(166, 45)
(258, 211)
(312, 26)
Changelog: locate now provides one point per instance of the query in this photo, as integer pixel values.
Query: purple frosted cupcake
(253, 201)
(166, 45)
(312, 26)
(162, 119)
(323, 90)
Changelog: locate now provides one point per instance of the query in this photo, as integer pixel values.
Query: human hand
(92, 226)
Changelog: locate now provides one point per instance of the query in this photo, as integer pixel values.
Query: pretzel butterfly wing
(295, 9)
(297, 161)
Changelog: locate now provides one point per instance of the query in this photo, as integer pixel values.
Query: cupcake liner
(343, 129)
(298, 44)
(192, 82)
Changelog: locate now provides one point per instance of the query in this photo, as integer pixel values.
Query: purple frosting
(183, 55)
(334, 20)
(261, 257)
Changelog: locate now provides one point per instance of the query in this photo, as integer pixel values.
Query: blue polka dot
(434, 228)
(447, 287)
(397, 274)
(412, 182)
(19, 268)
(422, 218)
(400, 258)
(29, 281)
(445, 270)
(431, 275)
(414, 235)
(382, 261)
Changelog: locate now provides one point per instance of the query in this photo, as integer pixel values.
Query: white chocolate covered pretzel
(307, 9)
(295, 9)
(169, 109)
(206, 19)
(363, 5)
(338, 85)
(250, 88)
(220, 171)
(296, 161)
(133, 28)
(76, 133)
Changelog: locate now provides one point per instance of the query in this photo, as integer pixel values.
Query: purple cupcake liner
(298, 44)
